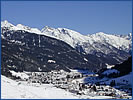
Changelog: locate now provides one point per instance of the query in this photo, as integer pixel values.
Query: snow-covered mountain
(88, 43)
(6, 24)
(116, 48)
(58, 52)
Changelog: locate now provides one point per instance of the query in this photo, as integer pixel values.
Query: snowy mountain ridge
(88, 43)
(6, 24)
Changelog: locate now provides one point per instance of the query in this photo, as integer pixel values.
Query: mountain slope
(73, 38)
(24, 51)
(125, 67)
(118, 70)
(100, 48)
(99, 44)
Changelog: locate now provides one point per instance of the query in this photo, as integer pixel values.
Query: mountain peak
(47, 28)
(130, 34)
(23, 27)
(100, 33)
(19, 27)
(5, 23)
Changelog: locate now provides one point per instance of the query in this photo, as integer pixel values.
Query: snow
(16, 89)
(6, 24)
(85, 59)
(11, 89)
(109, 66)
(51, 61)
(127, 80)
(110, 71)
(22, 75)
(19, 27)
(75, 39)
(81, 71)
(39, 69)
(69, 36)
(116, 41)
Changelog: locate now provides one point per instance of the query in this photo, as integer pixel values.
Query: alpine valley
(67, 59)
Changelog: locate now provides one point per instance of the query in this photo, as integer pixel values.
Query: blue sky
(82, 16)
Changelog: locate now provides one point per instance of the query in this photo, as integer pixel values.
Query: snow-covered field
(127, 79)
(30, 86)
(11, 89)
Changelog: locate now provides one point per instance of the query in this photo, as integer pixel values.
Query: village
(74, 82)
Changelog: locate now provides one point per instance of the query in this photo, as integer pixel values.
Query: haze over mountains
(92, 51)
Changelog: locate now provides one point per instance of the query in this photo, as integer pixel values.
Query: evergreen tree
(112, 83)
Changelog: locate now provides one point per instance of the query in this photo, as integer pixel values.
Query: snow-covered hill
(16, 89)
(11, 89)
(124, 80)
